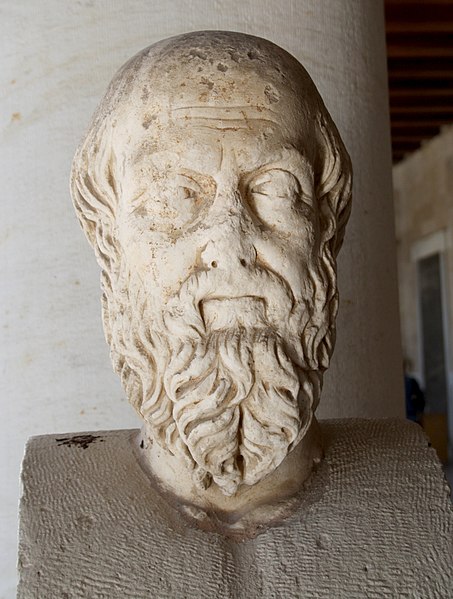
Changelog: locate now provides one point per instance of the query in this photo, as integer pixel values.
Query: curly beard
(231, 399)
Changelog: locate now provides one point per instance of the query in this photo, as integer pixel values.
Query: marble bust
(215, 190)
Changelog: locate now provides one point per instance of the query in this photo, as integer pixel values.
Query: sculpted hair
(94, 193)
(333, 189)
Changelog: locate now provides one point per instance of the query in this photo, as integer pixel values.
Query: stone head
(215, 190)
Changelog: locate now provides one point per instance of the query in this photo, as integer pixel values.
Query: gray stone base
(375, 521)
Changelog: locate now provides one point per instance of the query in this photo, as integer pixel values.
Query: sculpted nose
(230, 234)
(228, 254)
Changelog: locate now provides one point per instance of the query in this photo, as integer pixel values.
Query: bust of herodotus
(215, 190)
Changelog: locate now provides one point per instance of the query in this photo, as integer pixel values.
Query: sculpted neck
(251, 507)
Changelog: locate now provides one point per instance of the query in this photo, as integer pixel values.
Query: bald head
(205, 71)
(211, 80)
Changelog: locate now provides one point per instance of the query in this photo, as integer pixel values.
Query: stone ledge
(374, 521)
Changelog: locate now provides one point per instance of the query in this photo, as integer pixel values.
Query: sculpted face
(227, 201)
(215, 189)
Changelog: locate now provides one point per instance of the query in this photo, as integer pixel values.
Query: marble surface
(375, 520)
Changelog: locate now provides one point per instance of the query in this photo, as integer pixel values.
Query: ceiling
(420, 66)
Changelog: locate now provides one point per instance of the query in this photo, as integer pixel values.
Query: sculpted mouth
(219, 312)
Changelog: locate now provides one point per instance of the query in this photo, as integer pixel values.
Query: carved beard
(236, 405)
(232, 402)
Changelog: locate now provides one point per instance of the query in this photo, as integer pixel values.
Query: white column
(58, 59)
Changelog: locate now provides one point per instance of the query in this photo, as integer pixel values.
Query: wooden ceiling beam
(402, 139)
(421, 92)
(425, 103)
(419, 132)
(422, 112)
(419, 27)
(403, 51)
(397, 75)
(439, 86)
(425, 45)
(421, 3)
(447, 111)
(421, 67)
(418, 12)
(420, 70)
(444, 62)
(412, 123)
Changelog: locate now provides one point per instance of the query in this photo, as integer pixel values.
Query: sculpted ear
(333, 192)
(333, 186)
(94, 193)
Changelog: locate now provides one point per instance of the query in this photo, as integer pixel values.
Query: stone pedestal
(374, 521)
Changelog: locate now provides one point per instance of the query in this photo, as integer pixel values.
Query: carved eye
(169, 201)
(275, 196)
(186, 188)
(185, 193)
(276, 184)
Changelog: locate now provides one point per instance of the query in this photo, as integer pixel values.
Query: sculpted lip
(233, 298)
(220, 312)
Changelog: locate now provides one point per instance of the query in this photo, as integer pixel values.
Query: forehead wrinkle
(200, 110)
(279, 157)
(176, 148)
(225, 117)
(213, 163)
(222, 124)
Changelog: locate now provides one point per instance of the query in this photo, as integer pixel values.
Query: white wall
(58, 56)
(424, 226)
